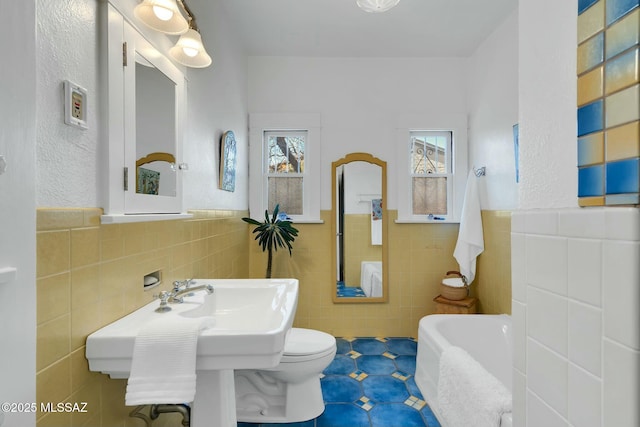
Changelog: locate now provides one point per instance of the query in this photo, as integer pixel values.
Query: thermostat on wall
(75, 105)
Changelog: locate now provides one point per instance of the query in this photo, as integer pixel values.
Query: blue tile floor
(370, 384)
(348, 291)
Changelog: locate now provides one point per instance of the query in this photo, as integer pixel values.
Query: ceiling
(338, 28)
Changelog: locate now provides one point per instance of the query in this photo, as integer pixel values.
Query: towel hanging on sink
(163, 368)
(470, 242)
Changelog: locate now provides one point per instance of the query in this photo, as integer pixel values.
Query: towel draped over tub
(468, 395)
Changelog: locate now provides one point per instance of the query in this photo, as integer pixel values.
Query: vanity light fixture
(376, 6)
(190, 51)
(165, 16)
(162, 15)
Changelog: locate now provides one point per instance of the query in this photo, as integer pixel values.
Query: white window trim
(449, 175)
(259, 123)
(457, 124)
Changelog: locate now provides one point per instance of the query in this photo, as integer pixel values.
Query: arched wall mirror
(359, 224)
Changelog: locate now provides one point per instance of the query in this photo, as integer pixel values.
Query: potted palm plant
(275, 232)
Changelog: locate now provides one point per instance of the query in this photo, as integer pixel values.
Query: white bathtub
(371, 278)
(487, 338)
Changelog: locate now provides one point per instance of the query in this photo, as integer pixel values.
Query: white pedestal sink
(252, 318)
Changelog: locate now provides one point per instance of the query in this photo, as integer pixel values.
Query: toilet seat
(307, 344)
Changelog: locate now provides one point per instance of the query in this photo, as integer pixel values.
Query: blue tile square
(430, 417)
(401, 414)
(407, 364)
(584, 5)
(403, 346)
(383, 388)
(341, 365)
(591, 181)
(622, 176)
(376, 365)
(343, 415)
(369, 346)
(343, 345)
(338, 388)
(413, 387)
(616, 9)
(590, 118)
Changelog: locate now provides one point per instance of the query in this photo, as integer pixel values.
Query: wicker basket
(454, 288)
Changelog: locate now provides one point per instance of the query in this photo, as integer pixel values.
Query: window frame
(259, 125)
(449, 166)
(438, 122)
(265, 167)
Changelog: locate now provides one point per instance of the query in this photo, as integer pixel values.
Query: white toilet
(291, 391)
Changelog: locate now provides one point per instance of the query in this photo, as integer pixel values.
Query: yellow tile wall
(419, 256)
(492, 285)
(89, 275)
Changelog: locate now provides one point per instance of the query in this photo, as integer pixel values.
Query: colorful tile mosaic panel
(608, 102)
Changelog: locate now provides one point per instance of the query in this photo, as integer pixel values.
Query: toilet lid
(302, 342)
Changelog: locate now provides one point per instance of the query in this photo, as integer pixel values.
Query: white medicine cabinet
(145, 104)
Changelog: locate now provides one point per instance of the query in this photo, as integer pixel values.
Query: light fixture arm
(191, 18)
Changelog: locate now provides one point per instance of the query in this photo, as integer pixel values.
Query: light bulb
(189, 51)
(162, 13)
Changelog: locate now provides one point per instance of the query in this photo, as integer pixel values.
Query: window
(285, 158)
(431, 172)
(284, 165)
(432, 166)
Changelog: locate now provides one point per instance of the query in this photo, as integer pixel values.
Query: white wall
(575, 272)
(17, 208)
(217, 102)
(547, 105)
(492, 81)
(360, 100)
(69, 170)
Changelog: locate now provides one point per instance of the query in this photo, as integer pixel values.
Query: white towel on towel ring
(468, 394)
(163, 368)
(470, 242)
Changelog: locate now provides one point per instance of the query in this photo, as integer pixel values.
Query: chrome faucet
(176, 296)
(181, 284)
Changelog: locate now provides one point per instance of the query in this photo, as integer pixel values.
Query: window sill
(427, 221)
(308, 221)
(127, 218)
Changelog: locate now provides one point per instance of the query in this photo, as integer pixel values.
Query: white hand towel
(469, 395)
(163, 368)
(376, 222)
(470, 236)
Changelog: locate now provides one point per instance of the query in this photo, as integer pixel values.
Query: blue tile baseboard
(370, 384)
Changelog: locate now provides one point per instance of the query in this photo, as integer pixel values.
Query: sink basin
(252, 318)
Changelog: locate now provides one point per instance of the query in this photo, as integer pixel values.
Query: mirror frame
(360, 157)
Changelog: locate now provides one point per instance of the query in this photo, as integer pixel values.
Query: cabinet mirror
(359, 224)
(146, 107)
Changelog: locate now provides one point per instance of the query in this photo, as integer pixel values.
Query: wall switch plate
(75, 105)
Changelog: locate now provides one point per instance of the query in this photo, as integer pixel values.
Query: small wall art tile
(608, 89)
(623, 34)
(622, 176)
(590, 181)
(591, 21)
(616, 9)
(590, 118)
